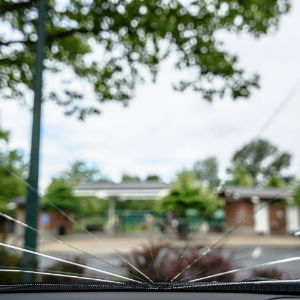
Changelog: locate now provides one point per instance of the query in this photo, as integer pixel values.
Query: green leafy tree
(60, 194)
(79, 172)
(11, 165)
(153, 177)
(11, 162)
(127, 177)
(295, 186)
(275, 181)
(260, 160)
(240, 176)
(186, 193)
(208, 170)
(129, 37)
(4, 135)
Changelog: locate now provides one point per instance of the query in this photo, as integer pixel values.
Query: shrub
(8, 260)
(61, 268)
(162, 262)
(269, 273)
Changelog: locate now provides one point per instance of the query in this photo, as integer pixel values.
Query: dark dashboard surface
(263, 290)
(143, 295)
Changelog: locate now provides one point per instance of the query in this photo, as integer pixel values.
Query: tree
(79, 172)
(60, 194)
(260, 160)
(186, 192)
(127, 177)
(208, 170)
(296, 195)
(128, 37)
(11, 165)
(4, 135)
(240, 176)
(275, 181)
(153, 177)
(11, 162)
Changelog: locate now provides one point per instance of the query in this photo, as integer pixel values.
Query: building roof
(127, 190)
(137, 185)
(241, 192)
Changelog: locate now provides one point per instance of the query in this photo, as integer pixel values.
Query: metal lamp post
(29, 261)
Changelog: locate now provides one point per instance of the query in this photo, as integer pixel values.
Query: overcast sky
(163, 131)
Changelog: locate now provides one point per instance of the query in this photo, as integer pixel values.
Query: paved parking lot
(101, 244)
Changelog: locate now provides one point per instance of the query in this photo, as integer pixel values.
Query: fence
(146, 220)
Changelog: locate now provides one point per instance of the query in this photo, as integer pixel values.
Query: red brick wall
(237, 211)
(20, 216)
(56, 220)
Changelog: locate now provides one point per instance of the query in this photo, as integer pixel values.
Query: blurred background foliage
(188, 193)
(59, 192)
(129, 37)
(11, 162)
(128, 177)
(80, 172)
(260, 162)
(60, 195)
(207, 170)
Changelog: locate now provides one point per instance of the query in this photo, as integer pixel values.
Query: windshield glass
(149, 141)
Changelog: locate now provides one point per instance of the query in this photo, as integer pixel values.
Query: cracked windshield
(149, 140)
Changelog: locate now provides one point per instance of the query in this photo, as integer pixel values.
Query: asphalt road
(244, 257)
(252, 256)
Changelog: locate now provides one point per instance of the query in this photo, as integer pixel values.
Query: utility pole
(29, 261)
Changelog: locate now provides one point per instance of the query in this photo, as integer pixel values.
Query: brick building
(272, 215)
(53, 223)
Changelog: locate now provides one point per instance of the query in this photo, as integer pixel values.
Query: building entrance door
(261, 219)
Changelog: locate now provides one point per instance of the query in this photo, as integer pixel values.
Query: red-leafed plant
(162, 262)
(269, 273)
(65, 269)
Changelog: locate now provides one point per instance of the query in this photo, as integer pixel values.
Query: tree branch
(16, 42)
(5, 6)
(68, 33)
(50, 38)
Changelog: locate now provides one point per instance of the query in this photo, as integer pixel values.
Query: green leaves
(186, 192)
(10, 186)
(296, 195)
(79, 172)
(4, 135)
(59, 194)
(127, 35)
(207, 170)
(240, 176)
(259, 162)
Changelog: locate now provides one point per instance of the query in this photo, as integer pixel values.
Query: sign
(45, 219)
